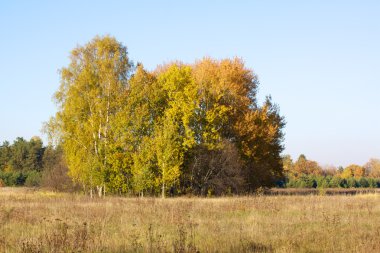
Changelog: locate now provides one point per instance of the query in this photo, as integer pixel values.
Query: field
(41, 221)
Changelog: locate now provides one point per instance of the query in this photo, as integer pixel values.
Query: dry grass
(37, 221)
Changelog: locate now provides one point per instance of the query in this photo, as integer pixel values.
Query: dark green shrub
(13, 178)
(335, 182)
(352, 183)
(292, 183)
(363, 182)
(372, 183)
(33, 179)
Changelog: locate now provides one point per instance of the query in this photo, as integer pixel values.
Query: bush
(308, 182)
(323, 181)
(33, 179)
(372, 183)
(292, 183)
(325, 184)
(352, 183)
(336, 182)
(16, 178)
(55, 171)
(13, 178)
(363, 182)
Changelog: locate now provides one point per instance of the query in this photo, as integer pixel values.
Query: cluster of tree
(307, 173)
(22, 162)
(182, 128)
(30, 163)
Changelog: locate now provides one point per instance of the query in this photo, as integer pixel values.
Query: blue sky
(320, 60)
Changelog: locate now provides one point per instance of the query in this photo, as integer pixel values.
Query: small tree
(363, 182)
(351, 182)
(168, 154)
(55, 173)
(33, 179)
(372, 168)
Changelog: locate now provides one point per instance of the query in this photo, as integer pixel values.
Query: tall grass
(36, 221)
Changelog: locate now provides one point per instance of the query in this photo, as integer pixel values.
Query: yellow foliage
(353, 170)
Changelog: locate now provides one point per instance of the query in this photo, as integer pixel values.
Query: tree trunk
(163, 190)
(100, 191)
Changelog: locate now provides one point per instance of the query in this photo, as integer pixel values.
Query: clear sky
(320, 60)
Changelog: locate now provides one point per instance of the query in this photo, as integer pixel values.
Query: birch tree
(91, 94)
(174, 132)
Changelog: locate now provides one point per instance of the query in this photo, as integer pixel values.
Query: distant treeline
(30, 163)
(306, 173)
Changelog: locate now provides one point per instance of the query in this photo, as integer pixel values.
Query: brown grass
(38, 221)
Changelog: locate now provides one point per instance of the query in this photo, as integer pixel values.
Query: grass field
(40, 221)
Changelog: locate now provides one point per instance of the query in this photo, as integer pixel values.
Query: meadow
(43, 221)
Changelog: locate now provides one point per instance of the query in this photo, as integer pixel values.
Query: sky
(319, 60)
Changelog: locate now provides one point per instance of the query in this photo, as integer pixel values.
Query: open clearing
(41, 221)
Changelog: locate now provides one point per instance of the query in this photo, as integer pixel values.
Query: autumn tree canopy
(182, 128)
